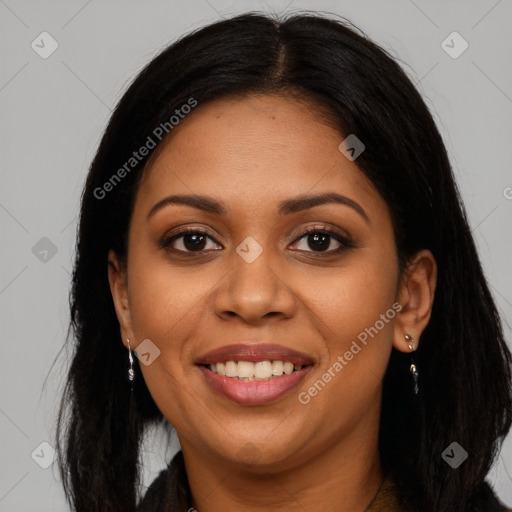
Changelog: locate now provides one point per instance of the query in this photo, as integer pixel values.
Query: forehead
(254, 150)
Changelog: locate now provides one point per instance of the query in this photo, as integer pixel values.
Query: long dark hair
(463, 359)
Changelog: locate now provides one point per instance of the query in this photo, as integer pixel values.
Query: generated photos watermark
(304, 397)
(137, 156)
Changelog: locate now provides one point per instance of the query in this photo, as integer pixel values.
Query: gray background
(53, 112)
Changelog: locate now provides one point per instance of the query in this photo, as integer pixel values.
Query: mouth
(254, 374)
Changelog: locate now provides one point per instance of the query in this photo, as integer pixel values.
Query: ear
(119, 289)
(416, 296)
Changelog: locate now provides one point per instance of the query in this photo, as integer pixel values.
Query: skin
(251, 154)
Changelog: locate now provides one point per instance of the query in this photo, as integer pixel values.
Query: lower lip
(255, 392)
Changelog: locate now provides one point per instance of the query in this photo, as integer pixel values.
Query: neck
(343, 476)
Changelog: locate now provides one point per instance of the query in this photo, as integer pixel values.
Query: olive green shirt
(385, 500)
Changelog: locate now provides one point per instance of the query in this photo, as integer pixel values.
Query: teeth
(249, 371)
(277, 367)
(245, 369)
(231, 369)
(263, 369)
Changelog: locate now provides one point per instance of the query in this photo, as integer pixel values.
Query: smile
(254, 374)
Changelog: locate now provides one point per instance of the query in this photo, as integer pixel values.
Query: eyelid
(323, 228)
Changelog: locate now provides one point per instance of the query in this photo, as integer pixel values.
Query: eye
(320, 240)
(188, 240)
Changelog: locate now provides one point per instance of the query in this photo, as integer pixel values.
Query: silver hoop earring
(413, 369)
(131, 371)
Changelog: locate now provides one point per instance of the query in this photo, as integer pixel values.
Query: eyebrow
(292, 205)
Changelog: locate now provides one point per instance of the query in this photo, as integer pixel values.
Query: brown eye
(189, 240)
(321, 241)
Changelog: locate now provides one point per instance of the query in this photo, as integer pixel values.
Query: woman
(272, 227)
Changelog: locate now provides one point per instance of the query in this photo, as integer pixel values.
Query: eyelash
(345, 242)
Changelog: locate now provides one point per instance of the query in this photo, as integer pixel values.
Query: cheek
(355, 315)
(167, 304)
(352, 299)
(165, 299)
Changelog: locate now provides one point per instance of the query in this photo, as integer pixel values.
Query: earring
(412, 368)
(131, 372)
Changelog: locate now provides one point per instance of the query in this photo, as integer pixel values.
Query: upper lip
(255, 352)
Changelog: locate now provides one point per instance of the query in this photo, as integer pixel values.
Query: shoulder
(389, 498)
(485, 500)
(157, 494)
(169, 491)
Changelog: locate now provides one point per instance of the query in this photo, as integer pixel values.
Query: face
(260, 275)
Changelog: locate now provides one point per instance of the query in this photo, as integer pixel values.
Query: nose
(254, 291)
